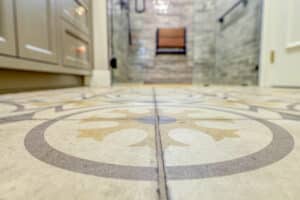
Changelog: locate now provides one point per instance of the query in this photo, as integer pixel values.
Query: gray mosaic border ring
(281, 145)
(18, 107)
(38, 147)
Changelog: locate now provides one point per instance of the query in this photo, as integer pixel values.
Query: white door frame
(269, 76)
(266, 45)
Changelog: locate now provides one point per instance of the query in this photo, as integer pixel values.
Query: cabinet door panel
(36, 22)
(7, 29)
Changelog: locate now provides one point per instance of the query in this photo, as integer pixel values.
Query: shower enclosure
(222, 41)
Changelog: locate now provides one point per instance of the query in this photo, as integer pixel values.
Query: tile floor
(229, 143)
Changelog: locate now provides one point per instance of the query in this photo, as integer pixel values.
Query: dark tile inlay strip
(18, 108)
(162, 181)
(17, 118)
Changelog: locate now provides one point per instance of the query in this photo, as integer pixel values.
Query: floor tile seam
(161, 166)
(229, 119)
(135, 119)
(100, 119)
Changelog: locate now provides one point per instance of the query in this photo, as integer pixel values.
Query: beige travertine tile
(102, 143)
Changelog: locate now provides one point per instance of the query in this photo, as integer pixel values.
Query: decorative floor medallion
(105, 142)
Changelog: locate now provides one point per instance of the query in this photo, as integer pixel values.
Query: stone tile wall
(237, 43)
(145, 66)
(118, 40)
(204, 28)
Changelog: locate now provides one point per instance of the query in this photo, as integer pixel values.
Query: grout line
(130, 119)
(162, 179)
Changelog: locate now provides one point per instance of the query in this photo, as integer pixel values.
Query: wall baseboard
(99, 78)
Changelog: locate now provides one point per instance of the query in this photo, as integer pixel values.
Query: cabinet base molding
(19, 81)
(23, 64)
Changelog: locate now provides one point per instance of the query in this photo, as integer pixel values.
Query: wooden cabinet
(37, 29)
(7, 29)
(76, 48)
(46, 35)
(77, 13)
(76, 33)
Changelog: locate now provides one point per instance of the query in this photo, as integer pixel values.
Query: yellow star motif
(100, 134)
(81, 103)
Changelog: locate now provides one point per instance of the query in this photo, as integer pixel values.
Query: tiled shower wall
(237, 43)
(118, 38)
(144, 65)
(204, 28)
(217, 54)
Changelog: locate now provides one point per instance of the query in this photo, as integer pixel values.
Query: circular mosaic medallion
(131, 154)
